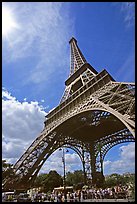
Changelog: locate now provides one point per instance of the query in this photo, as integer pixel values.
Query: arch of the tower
(82, 153)
(79, 148)
(100, 130)
(94, 126)
(95, 131)
(58, 145)
(97, 121)
(97, 127)
(124, 120)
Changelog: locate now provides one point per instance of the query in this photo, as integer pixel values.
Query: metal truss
(103, 145)
(95, 114)
(77, 58)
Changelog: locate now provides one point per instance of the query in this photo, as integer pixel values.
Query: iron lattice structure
(95, 113)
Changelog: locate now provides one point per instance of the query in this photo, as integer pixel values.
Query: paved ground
(108, 200)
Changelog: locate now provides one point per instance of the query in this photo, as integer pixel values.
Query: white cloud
(44, 32)
(21, 124)
(54, 162)
(126, 162)
(127, 73)
(128, 153)
(128, 8)
(7, 95)
(73, 162)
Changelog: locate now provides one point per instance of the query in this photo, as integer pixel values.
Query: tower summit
(80, 71)
(77, 58)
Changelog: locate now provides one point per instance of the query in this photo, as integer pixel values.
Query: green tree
(113, 180)
(9, 177)
(39, 181)
(75, 178)
(116, 179)
(7, 170)
(49, 181)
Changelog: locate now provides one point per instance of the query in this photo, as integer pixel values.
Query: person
(129, 192)
(10, 198)
(52, 197)
(81, 197)
(63, 198)
(71, 197)
(75, 197)
(59, 197)
(113, 192)
(68, 197)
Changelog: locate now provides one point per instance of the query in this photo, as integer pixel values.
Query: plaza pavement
(108, 200)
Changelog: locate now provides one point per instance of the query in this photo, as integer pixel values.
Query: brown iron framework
(95, 113)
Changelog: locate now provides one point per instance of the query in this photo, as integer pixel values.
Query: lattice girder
(82, 79)
(104, 144)
(77, 58)
(28, 174)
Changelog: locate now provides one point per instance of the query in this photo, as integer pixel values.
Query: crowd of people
(123, 192)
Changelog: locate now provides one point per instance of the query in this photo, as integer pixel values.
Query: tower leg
(97, 176)
(84, 171)
(84, 168)
(93, 163)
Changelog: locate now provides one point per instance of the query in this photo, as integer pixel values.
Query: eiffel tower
(95, 113)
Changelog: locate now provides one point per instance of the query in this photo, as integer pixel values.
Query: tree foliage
(7, 170)
(49, 181)
(75, 178)
(39, 181)
(53, 179)
(116, 179)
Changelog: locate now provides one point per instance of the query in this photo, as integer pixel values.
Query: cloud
(126, 162)
(128, 8)
(54, 162)
(127, 70)
(21, 124)
(128, 153)
(45, 29)
(73, 162)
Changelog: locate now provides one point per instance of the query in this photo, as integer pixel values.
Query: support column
(101, 160)
(101, 177)
(93, 163)
(84, 169)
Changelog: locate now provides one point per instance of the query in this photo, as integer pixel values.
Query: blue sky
(36, 63)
